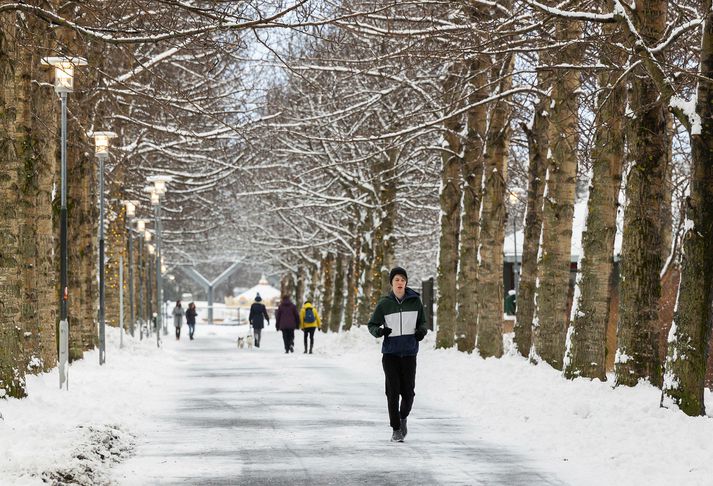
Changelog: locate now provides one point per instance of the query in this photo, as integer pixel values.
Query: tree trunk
(352, 285)
(327, 290)
(492, 222)
(473, 146)
(45, 129)
(300, 290)
(287, 285)
(115, 247)
(81, 236)
(684, 379)
(364, 307)
(558, 209)
(586, 338)
(313, 282)
(387, 198)
(450, 201)
(12, 362)
(538, 145)
(335, 317)
(28, 189)
(638, 332)
(666, 208)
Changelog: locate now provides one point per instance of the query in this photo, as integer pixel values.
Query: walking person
(309, 323)
(287, 319)
(257, 318)
(400, 319)
(178, 314)
(191, 314)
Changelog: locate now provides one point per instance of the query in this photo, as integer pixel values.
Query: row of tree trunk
(544, 331)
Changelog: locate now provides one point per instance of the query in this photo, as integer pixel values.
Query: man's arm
(376, 321)
(421, 327)
(421, 320)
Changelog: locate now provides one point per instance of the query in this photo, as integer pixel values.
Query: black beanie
(397, 271)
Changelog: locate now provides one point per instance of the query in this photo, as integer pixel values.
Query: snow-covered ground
(583, 432)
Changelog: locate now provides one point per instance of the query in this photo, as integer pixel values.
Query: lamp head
(140, 225)
(152, 249)
(130, 209)
(160, 182)
(64, 71)
(101, 143)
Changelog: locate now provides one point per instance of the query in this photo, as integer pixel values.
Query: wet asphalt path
(258, 417)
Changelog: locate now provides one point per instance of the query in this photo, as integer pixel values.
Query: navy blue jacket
(258, 312)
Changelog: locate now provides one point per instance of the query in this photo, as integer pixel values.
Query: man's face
(399, 284)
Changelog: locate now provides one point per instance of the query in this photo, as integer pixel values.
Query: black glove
(383, 331)
(420, 334)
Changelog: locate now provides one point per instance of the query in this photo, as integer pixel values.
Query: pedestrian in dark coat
(258, 316)
(287, 319)
(178, 314)
(191, 314)
(400, 320)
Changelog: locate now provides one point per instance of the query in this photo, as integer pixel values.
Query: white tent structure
(270, 295)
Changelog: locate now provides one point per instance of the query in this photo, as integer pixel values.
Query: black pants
(400, 373)
(257, 331)
(309, 331)
(288, 337)
(178, 332)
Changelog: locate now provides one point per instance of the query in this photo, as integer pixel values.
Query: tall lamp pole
(130, 214)
(158, 190)
(101, 150)
(152, 252)
(63, 84)
(140, 229)
(515, 195)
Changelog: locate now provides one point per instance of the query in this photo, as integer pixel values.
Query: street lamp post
(515, 195)
(158, 190)
(63, 84)
(130, 215)
(152, 251)
(140, 228)
(101, 149)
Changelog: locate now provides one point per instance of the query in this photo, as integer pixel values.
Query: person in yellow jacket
(309, 322)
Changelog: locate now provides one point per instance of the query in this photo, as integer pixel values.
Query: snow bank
(586, 432)
(592, 433)
(75, 434)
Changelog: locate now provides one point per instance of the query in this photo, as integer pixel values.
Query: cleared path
(260, 417)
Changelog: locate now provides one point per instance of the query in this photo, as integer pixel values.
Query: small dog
(245, 341)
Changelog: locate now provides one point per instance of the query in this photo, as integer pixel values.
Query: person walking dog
(257, 318)
(400, 320)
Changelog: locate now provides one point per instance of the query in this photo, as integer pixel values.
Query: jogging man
(399, 318)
